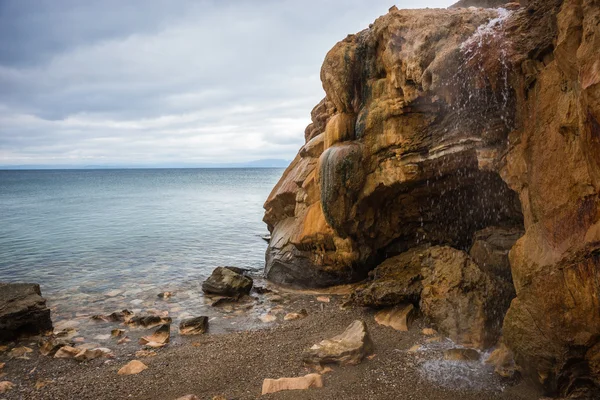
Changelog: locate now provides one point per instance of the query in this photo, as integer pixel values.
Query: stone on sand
(132, 367)
(5, 386)
(66, 352)
(348, 348)
(299, 383)
(296, 315)
(161, 336)
(49, 346)
(193, 326)
(400, 317)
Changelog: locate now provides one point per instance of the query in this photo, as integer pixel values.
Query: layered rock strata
(436, 126)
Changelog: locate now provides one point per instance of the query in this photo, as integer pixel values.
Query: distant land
(266, 163)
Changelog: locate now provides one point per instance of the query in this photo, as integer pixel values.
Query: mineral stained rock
(22, 311)
(438, 125)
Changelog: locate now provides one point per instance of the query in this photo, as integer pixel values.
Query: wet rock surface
(227, 281)
(193, 326)
(438, 127)
(23, 311)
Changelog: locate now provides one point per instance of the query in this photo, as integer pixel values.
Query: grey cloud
(187, 80)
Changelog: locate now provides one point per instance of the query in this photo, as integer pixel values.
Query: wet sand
(234, 365)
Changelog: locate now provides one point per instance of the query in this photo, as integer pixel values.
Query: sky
(158, 82)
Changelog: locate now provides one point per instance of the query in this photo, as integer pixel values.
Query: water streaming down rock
(441, 126)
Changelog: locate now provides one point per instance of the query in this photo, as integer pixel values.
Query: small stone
(149, 321)
(43, 382)
(194, 326)
(161, 336)
(2, 365)
(293, 316)
(66, 352)
(165, 295)
(414, 348)
(145, 353)
(49, 346)
(188, 397)
(434, 339)
(300, 383)
(348, 348)
(124, 340)
(117, 332)
(89, 354)
(132, 367)
(266, 318)
(19, 352)
(324, 299)
(428, 331)
(400, 317)
(5, 386)
(114, 293)
(102, 337)
(461, 355)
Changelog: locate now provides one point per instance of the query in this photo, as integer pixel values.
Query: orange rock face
(436, 126)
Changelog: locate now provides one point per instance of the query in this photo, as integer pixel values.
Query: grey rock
(224, 281)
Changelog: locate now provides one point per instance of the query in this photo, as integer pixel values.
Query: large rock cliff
(461, 128)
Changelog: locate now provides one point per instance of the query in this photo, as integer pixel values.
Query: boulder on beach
(227, 281)
(348, 348)
(23, 311)
(193, 326)
(299, 383)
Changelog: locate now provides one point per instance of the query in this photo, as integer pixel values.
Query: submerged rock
(227, 281)
(348, 348)
(299, 383)
(193, 326)
(23, 311)
(460, 354)
(149, 321)
(503, 361)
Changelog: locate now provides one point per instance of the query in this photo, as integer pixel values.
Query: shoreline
(234, 364)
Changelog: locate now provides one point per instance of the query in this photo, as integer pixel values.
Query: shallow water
(102, 240)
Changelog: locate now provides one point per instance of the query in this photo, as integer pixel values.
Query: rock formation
(23, 311)
(463, 128)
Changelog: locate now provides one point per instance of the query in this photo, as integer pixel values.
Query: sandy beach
(234, 365)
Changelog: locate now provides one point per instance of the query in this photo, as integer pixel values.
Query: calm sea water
(82, 234)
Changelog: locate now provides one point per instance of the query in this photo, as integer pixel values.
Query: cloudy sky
(166, 81)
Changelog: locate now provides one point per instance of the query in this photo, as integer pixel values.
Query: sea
(101, 240)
